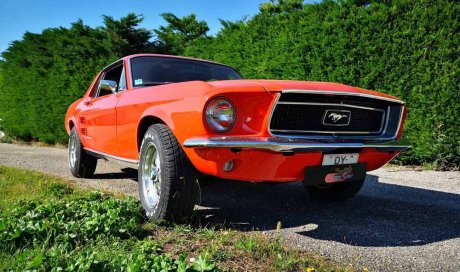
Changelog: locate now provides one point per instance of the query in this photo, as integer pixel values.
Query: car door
(99, 114)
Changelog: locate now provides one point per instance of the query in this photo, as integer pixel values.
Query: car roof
(128, 57)
(163, 56)
(171, 56)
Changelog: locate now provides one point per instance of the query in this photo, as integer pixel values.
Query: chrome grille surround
(389, 127)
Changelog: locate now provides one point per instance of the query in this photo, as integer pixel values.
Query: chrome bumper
(283, 145)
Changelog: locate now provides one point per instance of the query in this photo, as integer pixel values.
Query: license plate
(339, 159)
(321, 175)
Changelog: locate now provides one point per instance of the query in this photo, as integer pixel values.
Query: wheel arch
(70, 124)
(144, 124)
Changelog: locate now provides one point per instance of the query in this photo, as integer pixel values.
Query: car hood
(293, 85)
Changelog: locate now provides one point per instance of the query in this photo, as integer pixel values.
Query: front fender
(252, 109)
(182, 116)
(71, 114)
(180, 106)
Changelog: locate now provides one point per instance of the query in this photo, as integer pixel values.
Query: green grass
(48, 225)
(16, 185)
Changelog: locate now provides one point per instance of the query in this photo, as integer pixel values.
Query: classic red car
(180, 119)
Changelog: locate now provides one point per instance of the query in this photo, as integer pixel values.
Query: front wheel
(81, 164)
(168, 186)
(335, 192)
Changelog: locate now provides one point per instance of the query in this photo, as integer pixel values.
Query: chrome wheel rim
(72, 150)
(151, 176)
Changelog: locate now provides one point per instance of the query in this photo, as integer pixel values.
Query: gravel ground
(402, 220)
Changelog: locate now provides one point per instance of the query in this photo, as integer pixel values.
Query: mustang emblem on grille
(336, 118)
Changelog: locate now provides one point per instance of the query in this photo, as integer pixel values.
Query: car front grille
(338, 115)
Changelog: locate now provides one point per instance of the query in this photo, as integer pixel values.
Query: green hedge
(42, 74)
(406, 48)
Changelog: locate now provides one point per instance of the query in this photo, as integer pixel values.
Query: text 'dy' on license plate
(339, 159)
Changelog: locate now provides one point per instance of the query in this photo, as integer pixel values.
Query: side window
(95, 89)
(122, 82)
(113, 74)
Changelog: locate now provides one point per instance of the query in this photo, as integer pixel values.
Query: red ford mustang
(180, 118)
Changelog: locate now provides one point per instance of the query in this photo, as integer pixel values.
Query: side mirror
(108, 85)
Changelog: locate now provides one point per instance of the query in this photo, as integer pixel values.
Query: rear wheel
(168, 186)
(335, 192)
(81, 164)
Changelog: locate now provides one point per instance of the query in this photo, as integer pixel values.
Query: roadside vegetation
(407, 48)
(46, 224)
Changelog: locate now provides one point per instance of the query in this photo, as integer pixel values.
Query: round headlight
(220, 114)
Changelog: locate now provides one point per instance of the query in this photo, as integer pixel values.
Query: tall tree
(124, 36)
(177, 35)
(278, 6)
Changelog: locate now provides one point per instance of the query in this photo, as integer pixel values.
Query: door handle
(88, 103)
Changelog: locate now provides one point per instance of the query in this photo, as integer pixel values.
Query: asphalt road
(402, 220)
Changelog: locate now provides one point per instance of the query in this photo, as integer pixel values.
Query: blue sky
(19, 16)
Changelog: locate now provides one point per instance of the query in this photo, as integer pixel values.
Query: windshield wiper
(155, 83)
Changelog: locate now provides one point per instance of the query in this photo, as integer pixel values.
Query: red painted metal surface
(112, 123)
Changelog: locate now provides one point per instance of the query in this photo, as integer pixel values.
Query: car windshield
(151, 71)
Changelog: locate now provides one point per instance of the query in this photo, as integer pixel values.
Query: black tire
(171, 190)
(81, 164)
(336, 192)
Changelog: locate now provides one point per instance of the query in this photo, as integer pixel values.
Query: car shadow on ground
(126, 173)
(382, 214)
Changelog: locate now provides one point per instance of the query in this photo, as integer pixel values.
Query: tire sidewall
(152, 137)
(78, 151)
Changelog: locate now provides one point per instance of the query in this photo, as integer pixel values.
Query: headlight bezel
(211, 114)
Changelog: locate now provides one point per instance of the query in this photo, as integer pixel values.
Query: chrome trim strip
(271, 113)
(329, 104)
(381, 131)
(115, 63)
(107, 156)
(332, 92)
(282, 146)
(322, 132)
(369, 137)
(401, 111)
(384, 119)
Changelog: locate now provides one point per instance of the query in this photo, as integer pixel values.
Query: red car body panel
(111, 124)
